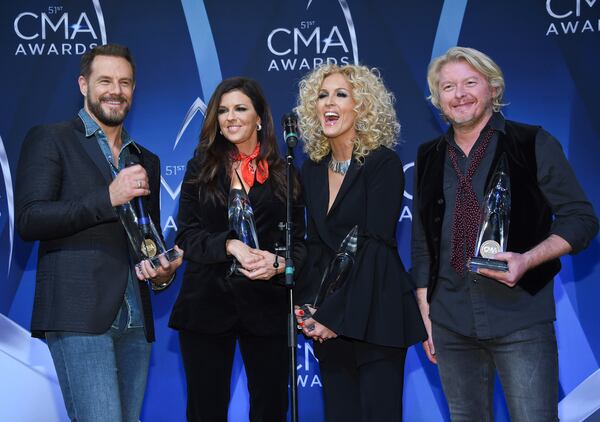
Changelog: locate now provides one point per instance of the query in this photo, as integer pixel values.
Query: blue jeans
(527, 365)
(102, 377)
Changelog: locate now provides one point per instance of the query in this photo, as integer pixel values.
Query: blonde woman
(354, 177)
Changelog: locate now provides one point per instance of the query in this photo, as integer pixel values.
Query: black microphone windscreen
(290, 129)
(289, 119)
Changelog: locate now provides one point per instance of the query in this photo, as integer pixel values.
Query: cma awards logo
(307, 366)
(58, 31)
(7, 214)
(310, 42)
(174, 172)
(573, 17)
(406, 214)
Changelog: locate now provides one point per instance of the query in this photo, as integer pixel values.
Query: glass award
(241, 221)
(144, 239)
(336, 273)
(495, 220)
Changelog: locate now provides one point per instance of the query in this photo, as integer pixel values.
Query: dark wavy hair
(113, 50)
(213, 153)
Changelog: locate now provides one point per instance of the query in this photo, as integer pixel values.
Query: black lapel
(91, 147)
(320, 185)
(347, 183)
(431, 176)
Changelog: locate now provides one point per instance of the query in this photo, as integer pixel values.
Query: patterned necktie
(467, 209)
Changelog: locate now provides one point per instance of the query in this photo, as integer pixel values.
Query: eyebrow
(110, 77)
(235, 105)
(443, 81)
(335, 89)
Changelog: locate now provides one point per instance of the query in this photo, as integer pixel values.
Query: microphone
(143, 219)
(290, 129)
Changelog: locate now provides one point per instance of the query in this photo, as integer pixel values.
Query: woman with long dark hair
(232, 286)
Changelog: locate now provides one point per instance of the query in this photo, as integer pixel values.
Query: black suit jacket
(376, 303)
(208, 302)
(62, 200)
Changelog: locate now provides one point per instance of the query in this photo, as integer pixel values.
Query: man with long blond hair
(487, 321)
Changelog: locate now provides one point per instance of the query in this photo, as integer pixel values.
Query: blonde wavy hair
(479, 61)
(376, 123)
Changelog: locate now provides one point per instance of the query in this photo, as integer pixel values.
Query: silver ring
(139, 184)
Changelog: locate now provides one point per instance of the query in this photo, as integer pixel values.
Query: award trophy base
(491, 264)
(234, 269)
(170, 254)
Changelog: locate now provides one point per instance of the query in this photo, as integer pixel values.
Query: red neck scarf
(248, 169)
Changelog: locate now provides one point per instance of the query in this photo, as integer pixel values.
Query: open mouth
(113, 102)
(463, 105)
(331, 118)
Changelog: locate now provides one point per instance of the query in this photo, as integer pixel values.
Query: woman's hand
(263, 268)
(304, 313)
(244, 254)
(314, 329)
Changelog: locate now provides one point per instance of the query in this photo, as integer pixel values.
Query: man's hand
(424, 309)
(161, 274)
(129, 183)
(518, 264)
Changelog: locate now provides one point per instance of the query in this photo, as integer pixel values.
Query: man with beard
(492, 320)
(90, 304)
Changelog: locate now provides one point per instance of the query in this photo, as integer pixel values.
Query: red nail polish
(300, 312)
(301, 323)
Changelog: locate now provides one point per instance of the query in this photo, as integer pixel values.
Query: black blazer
(208, 302)
(376, 304)
(62, 200)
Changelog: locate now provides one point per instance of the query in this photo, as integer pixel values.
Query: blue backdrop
(548, 51)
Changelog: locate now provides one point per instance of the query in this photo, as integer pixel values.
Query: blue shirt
(130, 311)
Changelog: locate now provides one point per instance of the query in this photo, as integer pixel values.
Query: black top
(467, 304)
(62, 200)
(210, 303)
(376, 304)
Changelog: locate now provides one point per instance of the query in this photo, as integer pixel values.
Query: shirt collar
(496, 122)
(91, 128)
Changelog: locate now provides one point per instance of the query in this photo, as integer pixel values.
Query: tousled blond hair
(376, 123)
(480, 62)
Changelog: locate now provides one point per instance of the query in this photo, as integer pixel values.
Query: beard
(113, 117)
(476, 118)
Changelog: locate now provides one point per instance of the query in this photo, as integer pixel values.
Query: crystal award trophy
(241, 221)
(336, 273)
(493, 232)
(144, 239)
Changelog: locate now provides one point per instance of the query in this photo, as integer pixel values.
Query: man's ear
(494, 91)
(83, 85)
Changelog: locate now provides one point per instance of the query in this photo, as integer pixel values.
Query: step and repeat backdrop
(548, 51)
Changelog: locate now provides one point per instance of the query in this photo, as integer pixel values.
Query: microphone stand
(291, 142)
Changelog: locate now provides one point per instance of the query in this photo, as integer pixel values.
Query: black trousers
(362, 382)
(208, 359)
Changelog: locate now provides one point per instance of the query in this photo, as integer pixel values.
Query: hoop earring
(258, 127)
